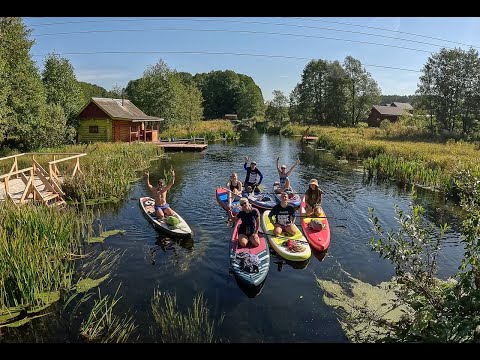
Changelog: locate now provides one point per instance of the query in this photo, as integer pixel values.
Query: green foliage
(22, 95)
(91, 90)
(331, 94)
(449, 89)
(226, 92)
(174, 326)
(108, 170)
(62, 87)
(37, 246)
(277, 110)
(102, 325)
(434, 310)
(188, 101)
(362, 90)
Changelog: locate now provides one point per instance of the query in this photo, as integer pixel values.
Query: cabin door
(116, 131)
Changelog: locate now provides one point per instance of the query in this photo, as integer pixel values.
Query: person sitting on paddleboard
(159, 193)
(251, 182)
(248, 229)
(313, 199)
(284, 184)
(235, 187)
(284, 214)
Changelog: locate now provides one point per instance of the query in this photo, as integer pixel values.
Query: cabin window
(93, 129)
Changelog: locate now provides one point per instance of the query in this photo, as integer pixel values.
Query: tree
(449, 88)
(335, 94)
(294, 104)
(22, 96)
(249, 98)
(153, 93)
(62, 87)
(362, 90)
(277, 109)
(312, 91)
(92, 90)
(117, 92)
(187, 101)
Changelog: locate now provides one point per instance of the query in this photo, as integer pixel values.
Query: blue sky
(285, 46)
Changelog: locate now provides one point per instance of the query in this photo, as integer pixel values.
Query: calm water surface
(289, 306)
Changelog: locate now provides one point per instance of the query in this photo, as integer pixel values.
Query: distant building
(106, 119)
(405, 106)
(379, 113)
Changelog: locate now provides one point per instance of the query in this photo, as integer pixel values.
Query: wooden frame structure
(38, 185)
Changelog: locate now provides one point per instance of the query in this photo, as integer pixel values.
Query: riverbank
(450, 166)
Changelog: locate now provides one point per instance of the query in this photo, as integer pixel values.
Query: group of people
(282, 215)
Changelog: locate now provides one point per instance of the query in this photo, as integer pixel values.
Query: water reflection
(250, 291)
(166, 244)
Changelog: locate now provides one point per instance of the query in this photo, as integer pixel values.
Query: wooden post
(16, 166)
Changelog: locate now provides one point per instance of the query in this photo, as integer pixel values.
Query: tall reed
(109, 169)
(193, 327)
(37, 248)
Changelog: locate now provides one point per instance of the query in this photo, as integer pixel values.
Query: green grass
(440, 165)
(210, 130)
(37, 249)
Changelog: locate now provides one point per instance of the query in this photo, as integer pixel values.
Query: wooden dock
(310, 138)
(184, 145)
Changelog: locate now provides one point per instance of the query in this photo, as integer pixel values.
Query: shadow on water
(320, 255)
(250, 291)
(280, 261)
(166, 243)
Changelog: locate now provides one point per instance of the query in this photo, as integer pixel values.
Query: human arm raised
(172, 181)
(147, 179)
(278, 167)
(245, 164)
(293, 166)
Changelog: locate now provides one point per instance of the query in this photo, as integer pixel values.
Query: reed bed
(37, 247)
(109, 170)
(439, 165)
(193, 327)
(211, 130)
(102, 325)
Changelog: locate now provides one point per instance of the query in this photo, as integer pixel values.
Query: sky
(273, 51)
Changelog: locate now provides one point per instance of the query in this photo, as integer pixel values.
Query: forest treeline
(40, 108)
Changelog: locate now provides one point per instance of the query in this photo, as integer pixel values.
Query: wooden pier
(194, 144)
(310, 138)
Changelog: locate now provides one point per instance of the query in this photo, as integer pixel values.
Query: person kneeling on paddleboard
(284, 214)
(313, 199)
(248, 229)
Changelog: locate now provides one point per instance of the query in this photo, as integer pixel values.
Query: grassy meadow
(210, 130)
(450, 166)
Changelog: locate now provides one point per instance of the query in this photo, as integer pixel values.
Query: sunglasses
(243, 204)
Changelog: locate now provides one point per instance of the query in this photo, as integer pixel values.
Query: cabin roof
(122, 109)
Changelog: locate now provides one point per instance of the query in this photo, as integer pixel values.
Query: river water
(289, 306)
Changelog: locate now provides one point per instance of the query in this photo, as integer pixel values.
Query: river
(289, 306)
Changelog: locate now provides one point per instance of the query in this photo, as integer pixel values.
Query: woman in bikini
(235, 187)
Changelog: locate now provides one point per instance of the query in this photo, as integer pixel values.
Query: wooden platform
(181, 145)
(17, 187)
(310, 138)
